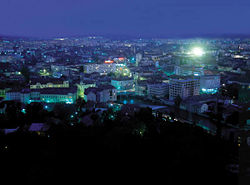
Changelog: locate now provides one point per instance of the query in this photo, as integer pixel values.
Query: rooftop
(98, 89)
(62, 91)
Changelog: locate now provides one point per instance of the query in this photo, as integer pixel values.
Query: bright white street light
(197, 52)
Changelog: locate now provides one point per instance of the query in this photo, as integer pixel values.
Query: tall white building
(138, 58)
(184, 88)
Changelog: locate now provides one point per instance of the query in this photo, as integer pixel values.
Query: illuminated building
(104, 93)
(184, 88)
(209, 84)
(188, 70)
(57, 68)
(49, 95)
(40, 84)
(60, 68)
(100, 68)
(123, 84)
(67, 95)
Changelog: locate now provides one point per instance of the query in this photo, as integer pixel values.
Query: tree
(80, 102)
(232, 91)
(216, 118)
(34, 112)
(13, 112)
(26, 73)
(177, 101)
(64, 112)
(33, 59)
(233, 118)
(81, 70)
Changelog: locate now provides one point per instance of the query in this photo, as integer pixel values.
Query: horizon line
(135, 36)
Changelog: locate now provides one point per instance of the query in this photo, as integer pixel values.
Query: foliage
(26, 73)
(140, 142)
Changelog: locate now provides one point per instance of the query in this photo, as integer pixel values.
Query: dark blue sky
(154, 18)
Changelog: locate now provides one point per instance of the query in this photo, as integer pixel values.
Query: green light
(23, 111)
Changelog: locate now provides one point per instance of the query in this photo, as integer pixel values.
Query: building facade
(123, 84)
(52, 84)
(101, 94)
(158, 90)
(209, 84)
(49, 95)
(100, 68)
(183, 88)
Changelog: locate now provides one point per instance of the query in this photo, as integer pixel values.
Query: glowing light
(209, 91)
(60, 39)
(197, 52)
(109, 61)
(238, 56)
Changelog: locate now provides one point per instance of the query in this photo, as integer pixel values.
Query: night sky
(143, 18)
